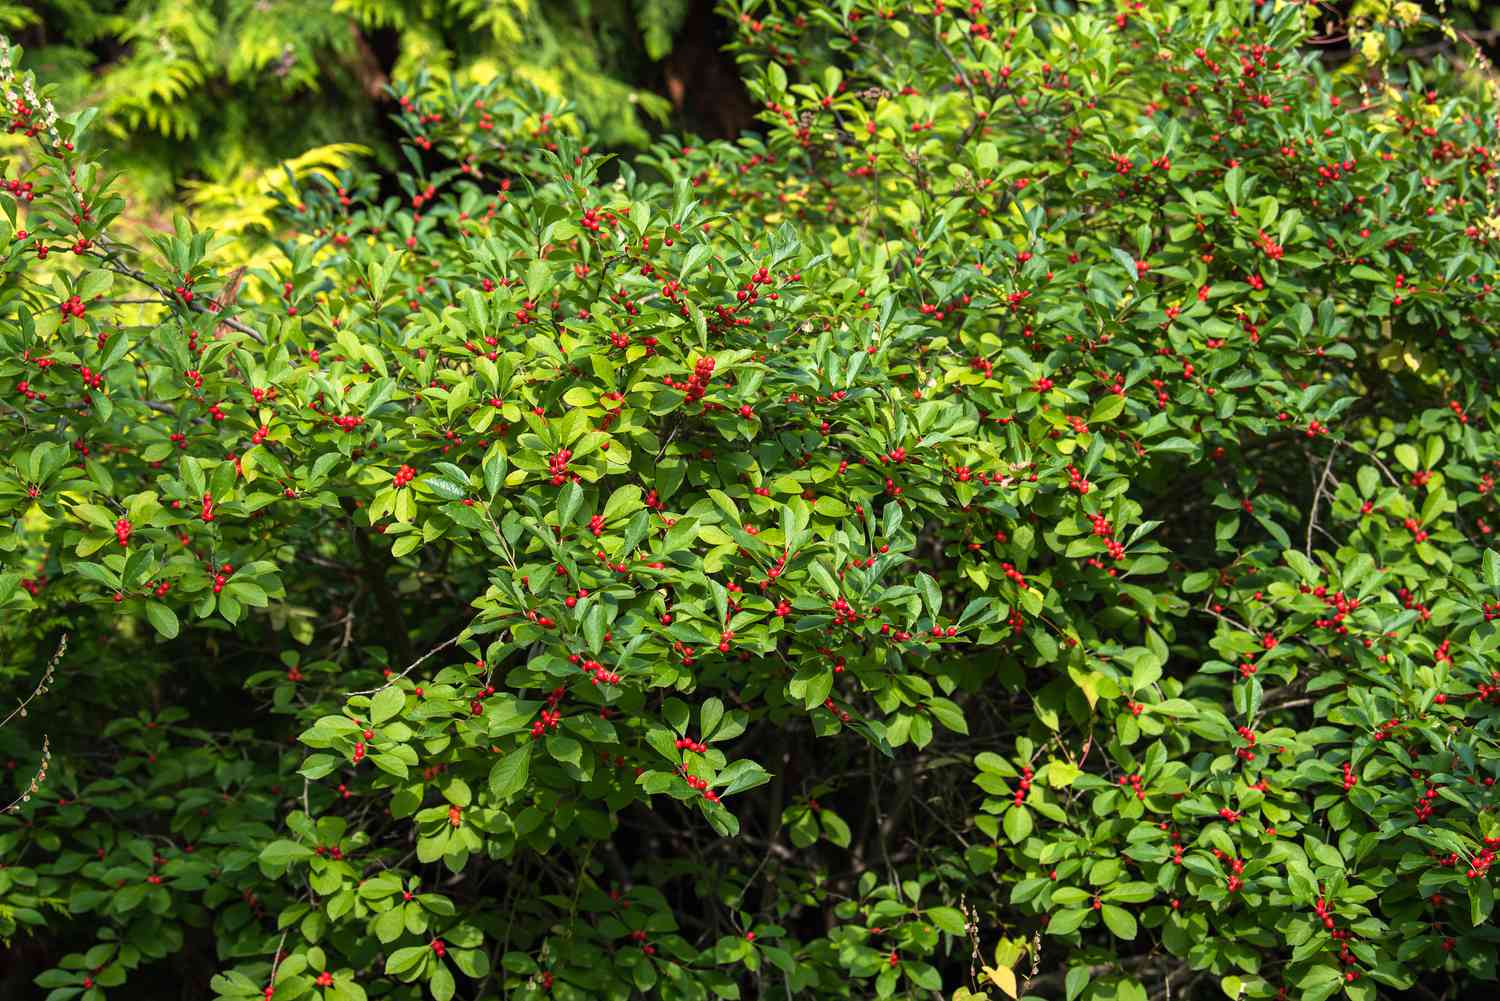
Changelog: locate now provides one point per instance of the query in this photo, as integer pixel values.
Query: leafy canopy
(1019, 526)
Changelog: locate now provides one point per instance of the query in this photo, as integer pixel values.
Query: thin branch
(1473, 38)
(1225, 619)
(276, 959)
(20, 710)
(166, 299)
(41, 686)
(413, 666)
(1322, 489)
(36, 780)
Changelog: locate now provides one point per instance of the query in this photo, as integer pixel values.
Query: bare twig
(119, 268)
(412, 667)
(1370, 454)
(1225, 619)
(1322, 489)
(41, 686)
(276, 959)
(36, 780)
(21, 710)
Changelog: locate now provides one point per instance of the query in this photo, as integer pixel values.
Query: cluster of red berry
(1025, 786)
(557, 466)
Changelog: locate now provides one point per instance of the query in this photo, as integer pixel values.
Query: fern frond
(659, 21)
(173, 28)
(505, 21)
(422, 50)
(150, 91)
(373, 13)
(266, 42)
(244, 203)
(13, 17)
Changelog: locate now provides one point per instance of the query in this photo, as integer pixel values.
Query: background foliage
(1017, 525)
(215, 92)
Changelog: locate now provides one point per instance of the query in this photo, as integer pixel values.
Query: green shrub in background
(1018, 528)
(215, 91)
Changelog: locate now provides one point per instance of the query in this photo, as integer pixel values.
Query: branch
(41, 687)
(20, 710)
(413, 666)
(1322, 489)
(167, 299)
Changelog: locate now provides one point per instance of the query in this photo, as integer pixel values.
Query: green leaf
(1492, 569)
(624, 501)
(95, 283)
(442, 984)
(283, 852)
(1061, 774)
(931, 596)
(97, 574)
(509, 775)
(162, 618)
(1017, 823)
(776, 78)
(318, 765)
(948, 714)
(1131, 893)
(740, 776)
(823, 578)
(709, 715)
(446, 488)
(386, 704)
(1067, 921)
(1077, 979)
(593, 627)
(495, 467)
(407, 963)
(1304, 567)
(1119, 921)
(390, 925)
(947, 919)
(568, 501)
(565, 749)
(1481, 901)
(1107, 409)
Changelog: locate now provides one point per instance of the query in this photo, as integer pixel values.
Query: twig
(1225, 619)
(41, 686)
(124, 269)
(348, 628)
(36, 780)
(1291, 704)
(1473, 38)
(1370, 454)
(20, 710)
(412, 667)
(1312, 515)
(276, 959)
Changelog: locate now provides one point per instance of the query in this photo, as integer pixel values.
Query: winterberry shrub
(1018, 526)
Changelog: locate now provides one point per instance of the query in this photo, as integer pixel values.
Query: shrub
(1019, 526)
(211, 94)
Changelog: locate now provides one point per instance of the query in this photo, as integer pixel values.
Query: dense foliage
(1017, 527)
(211, 93)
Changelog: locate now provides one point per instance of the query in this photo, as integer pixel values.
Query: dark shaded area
(702, 80)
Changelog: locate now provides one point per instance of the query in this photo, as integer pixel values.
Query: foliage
(1018, 527)
(210, 90)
